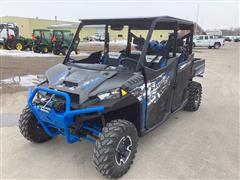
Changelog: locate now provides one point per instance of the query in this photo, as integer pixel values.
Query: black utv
(112, 98)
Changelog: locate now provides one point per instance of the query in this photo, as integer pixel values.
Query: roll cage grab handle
(145, 46)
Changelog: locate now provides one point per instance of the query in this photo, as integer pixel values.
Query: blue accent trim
(61, 121)
(156, 46)
(29, 92)
(163, 62)
(181, 58)
(105, 58)
(143, 112)
(92, 83)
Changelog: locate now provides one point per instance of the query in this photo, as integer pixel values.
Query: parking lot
(203, 144)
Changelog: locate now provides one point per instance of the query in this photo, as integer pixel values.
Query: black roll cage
(151, 24)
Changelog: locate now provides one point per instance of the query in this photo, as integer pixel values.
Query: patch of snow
(114, 42)
(81, 54)
(119, 42)
(16, 53)
(25, 81)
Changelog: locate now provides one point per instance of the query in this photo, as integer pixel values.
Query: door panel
(184, 71)
(159, 89)
(200, 41)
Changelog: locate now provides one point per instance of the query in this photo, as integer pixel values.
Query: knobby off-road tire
(115, 150)
(194, 96)
(30, 128)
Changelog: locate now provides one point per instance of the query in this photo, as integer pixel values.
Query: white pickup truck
(208, 41)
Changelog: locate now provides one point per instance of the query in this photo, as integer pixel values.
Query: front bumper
(55, 123)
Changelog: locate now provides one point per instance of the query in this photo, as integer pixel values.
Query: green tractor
(12, 39)
(61, 41)
(42, 41)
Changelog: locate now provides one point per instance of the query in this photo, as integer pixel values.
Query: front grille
(74, 98)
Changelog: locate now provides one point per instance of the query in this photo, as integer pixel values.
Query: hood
(76, 80)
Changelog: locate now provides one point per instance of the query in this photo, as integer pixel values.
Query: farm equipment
(112, 100)
(42, 40)
(13, 40)
(61, 41)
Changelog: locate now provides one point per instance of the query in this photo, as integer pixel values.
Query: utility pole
(197, 18)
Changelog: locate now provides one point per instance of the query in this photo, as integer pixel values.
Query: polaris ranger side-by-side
(112, 99)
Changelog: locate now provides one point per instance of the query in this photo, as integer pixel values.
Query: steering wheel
(130, 63)
(125, 60)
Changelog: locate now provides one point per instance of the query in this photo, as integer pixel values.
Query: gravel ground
(199, 145)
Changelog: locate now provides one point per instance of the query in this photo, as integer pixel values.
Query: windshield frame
(156, 23)
(106, 42)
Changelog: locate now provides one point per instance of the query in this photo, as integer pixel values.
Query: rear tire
(217, 45)
(30, 128)
(194, 96)
(115, 150)
(64, 50)
(56, 52)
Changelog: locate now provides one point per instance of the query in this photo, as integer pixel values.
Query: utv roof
(163, 22)
(61, 30)
(41, 30)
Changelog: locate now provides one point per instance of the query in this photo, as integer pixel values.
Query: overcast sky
(212, 14)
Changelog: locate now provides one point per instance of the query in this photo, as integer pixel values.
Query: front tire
(194, 96)
(77, 51)
(18, 45)
(45, 50)
(8, 45)
(30, 128)
(36, 49)
(115, 150)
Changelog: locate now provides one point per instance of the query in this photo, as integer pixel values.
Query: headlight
(110, 94)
